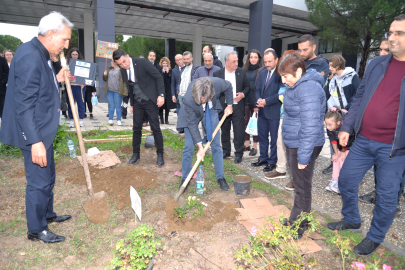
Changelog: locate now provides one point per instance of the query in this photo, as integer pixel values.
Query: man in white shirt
(237, 77)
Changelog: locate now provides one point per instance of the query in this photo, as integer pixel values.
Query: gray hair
(4, 52)
(208, 55)
(228, 54)
(203, 87)
(187, 52)
(54, 22)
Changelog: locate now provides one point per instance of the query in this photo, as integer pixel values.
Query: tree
(8, 42)
(74, 42)
(354, 26)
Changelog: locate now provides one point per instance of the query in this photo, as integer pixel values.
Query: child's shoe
(335, 187)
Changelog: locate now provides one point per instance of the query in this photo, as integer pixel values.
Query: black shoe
(366, 247)
(238, 160)
(369, 197)
(46, 236)
(182, 181)
(134, 159)
(259, 163)
(269, 167)
(344, 226)
(123, 116)
(162, 122)
(329, 169)
(160, 161)
(91, 116)
(85, 116)
(246, 148)
(181, 130)
(227, 156)
(108, 114)
(167, 122)
(58, 219)
(223, 184)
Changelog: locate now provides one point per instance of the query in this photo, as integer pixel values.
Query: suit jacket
(149, 79)
(3, 75)
(176, 75)
(191, 113)
(242, 85)
(159, 68)
(32, 107)
(270, 94)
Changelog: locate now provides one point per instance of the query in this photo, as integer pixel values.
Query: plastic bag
(94, 100)
(251, 128)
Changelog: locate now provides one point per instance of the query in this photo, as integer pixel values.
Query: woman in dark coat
(253, 63)
(167, 78)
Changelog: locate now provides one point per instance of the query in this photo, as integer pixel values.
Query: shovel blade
(96, 208)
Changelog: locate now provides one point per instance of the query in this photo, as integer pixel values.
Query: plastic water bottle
(200, 180)
(72, 151)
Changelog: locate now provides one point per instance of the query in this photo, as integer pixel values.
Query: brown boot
(290, 185)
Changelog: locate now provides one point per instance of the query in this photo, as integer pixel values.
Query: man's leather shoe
(123, 116)
(134, 159)
(369, 197)
(223, 184)
(226, 156)
(269, 167)
(160, 161)
(238, 160)
(259, 163)
(46, 236)
(58, 219)
(246, 148)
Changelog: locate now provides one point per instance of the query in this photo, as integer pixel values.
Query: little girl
(333, 120)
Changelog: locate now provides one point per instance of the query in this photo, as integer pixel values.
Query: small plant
(192, 203)
(343, 244)
(136, 250)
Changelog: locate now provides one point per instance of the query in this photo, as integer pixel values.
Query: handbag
(94, 100)
(251, 128)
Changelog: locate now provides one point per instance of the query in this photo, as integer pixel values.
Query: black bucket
(149, 141)
(241, 184)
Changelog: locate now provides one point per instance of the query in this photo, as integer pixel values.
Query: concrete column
(88, 37)
(105, 31)
(80, 38)
(170, 50)
(260, 23)
(197, 45)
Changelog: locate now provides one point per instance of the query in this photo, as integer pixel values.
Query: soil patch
(116, 181)
(126, 149)
(18, 173)
(216, 212)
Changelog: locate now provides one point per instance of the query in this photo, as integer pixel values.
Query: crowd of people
(294, 98)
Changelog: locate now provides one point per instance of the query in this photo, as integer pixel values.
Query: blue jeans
(78, 96)
(215, 147)
(114, 103)
(365, 153)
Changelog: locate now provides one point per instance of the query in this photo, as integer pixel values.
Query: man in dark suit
(201, 104)
(31, 119)
(237, 77)
(269, 111)
(176, 75)
(146, 93)
(3, 82)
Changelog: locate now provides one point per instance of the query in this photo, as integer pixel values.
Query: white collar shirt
(131, 69)
(231, 77)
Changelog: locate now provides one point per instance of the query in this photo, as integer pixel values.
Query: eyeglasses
(395, 33)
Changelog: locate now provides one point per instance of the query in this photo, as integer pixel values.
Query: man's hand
(345, 111)
(239, 97)
(174, 99)
(301, 167)
(38, 154)
(200, 152)
(261, 103)
(228, 110)
(132, 109)
(160, 101)
(61, 75)
(256, 110)
(343, 138)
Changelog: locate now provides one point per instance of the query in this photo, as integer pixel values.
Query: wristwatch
(162, 95)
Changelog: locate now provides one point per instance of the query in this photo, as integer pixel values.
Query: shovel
(96, 206)
(199, 158)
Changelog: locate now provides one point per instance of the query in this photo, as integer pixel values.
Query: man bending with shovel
(201, 103)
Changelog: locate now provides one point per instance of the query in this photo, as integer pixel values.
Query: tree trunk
(364, 56)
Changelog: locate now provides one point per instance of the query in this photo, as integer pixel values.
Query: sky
(23, 32)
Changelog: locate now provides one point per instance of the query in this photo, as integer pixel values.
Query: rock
(380, 251)
(70, 260)
(191, 251)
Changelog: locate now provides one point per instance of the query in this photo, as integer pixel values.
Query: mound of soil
(116, 181)
(216, 212)
(126, 149)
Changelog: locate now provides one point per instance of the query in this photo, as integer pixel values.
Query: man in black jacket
(3, 81)
(146, 93)
(237, 77)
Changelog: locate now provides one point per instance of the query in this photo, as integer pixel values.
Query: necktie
(208, 125)
(129, 70)
(53, 75)
(268, 79)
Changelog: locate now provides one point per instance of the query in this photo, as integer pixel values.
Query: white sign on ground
(136, 202)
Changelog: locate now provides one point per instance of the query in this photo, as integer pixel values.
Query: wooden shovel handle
(199, 159)
(79, 132)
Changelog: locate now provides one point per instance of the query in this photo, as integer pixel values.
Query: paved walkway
(100, 120)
